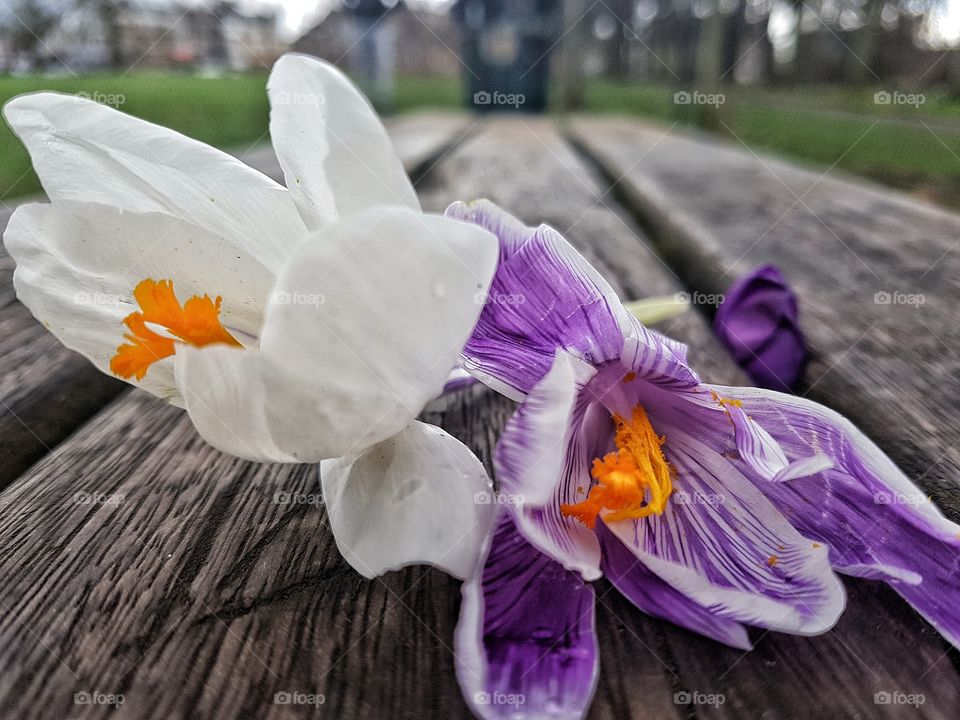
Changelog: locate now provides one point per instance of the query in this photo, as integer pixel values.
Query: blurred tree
(571, 55)
(109, 12)
(33, 20)
(709, 58)
(862, 59)
(619, 23)
(734, 29)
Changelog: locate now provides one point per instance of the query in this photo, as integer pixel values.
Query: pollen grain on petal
(633, 481)
(196, 322)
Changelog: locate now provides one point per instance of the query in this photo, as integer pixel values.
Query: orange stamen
(196, 322)
(633, 481)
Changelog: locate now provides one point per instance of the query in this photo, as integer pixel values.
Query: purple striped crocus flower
(715, 508)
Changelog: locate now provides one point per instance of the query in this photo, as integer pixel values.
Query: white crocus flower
(339, 307)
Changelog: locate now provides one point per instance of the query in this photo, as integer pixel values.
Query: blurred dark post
(709, 59)
(861, 60)
(735, 27)
(571, 55)
(805, 56)
(34, 20)
(109, 12)
(506, 49)
(617, 46)
(373, 55)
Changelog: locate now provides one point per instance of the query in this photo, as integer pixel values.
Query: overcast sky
(298, 15)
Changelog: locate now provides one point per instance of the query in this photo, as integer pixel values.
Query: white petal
(530, 456)
(83, 150)
(227, 400)
(78, 264)
(360, 334)
(420, 496)
(335, 154)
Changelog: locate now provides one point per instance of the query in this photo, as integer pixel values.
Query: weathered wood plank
(140, 562)
(524, 166)
(47, 391)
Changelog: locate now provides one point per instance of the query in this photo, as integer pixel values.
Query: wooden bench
(195, 595)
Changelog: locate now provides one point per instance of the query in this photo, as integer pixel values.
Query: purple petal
(759, 323)
(529, 456)
(525, 643)
(544, 297)
(876, 522)
(727, 548)
(764, 455)
(458, 379)
(656, 358)
(543, 461)
(511, 232)
(659, 599)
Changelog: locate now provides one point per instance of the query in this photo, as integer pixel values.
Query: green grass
(437, 93)
(822, 127)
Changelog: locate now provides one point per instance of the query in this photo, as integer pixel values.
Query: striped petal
(525, 645)
(544, 297)
(727, 548)
(876, 522)
(659, 599)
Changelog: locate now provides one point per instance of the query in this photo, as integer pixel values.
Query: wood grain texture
(138, 561)
(47, 391)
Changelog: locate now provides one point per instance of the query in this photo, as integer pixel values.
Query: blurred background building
(83, 35)
(911, 42)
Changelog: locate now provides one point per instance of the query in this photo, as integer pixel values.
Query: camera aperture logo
(113, 100)
(293, 697)
(896, 97)
(95, 697)
(282, 497)
(700, 298)
(98, 498)
(298, 298)
(686, 697)
(500, 698)
(499, 298)
(684, 97)
(485, 97)
(895, 497)
(895, 297)
(285, 97)
(898, 697)
(681, 497)
(485, 497)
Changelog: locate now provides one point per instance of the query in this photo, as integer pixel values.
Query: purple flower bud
(758, 323)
